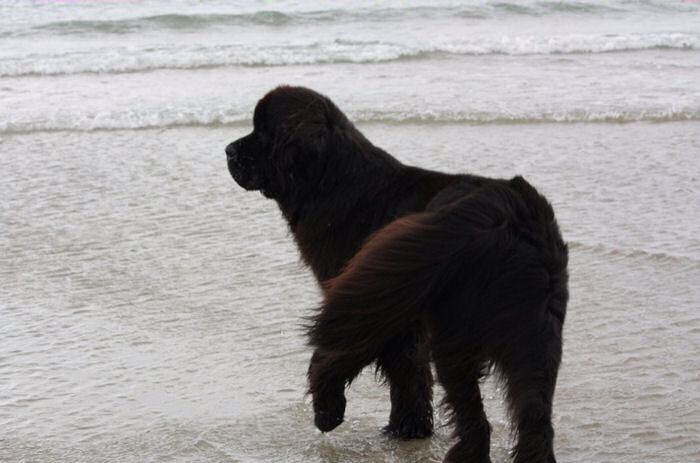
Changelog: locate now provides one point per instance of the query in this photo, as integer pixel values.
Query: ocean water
(151, 310)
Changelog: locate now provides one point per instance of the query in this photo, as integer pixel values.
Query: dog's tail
(415, 263)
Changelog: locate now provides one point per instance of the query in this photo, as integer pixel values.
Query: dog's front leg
(328, 376)
(405, 363)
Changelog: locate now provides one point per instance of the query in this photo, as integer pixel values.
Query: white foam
(142, 119)
(120, 59)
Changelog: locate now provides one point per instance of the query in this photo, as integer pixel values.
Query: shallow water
(151, 310)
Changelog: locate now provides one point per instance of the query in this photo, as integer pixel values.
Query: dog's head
(288, 149)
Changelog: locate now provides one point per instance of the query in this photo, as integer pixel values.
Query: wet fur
(415, 265)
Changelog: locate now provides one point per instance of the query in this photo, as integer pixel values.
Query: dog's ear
(302, 141)
(301, 145)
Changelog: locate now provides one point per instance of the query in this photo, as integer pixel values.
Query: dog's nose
(231, 151)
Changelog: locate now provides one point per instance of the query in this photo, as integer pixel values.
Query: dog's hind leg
(405, 363)
(530, 374)
(460, 376)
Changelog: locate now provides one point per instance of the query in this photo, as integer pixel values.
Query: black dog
(415, 265)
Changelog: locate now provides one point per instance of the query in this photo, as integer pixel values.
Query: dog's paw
(409, 428)
(329, 411)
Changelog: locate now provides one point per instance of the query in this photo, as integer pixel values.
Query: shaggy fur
(415, 265)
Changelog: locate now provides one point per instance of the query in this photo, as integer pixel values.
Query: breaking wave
(125, 59)
(142, 119)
